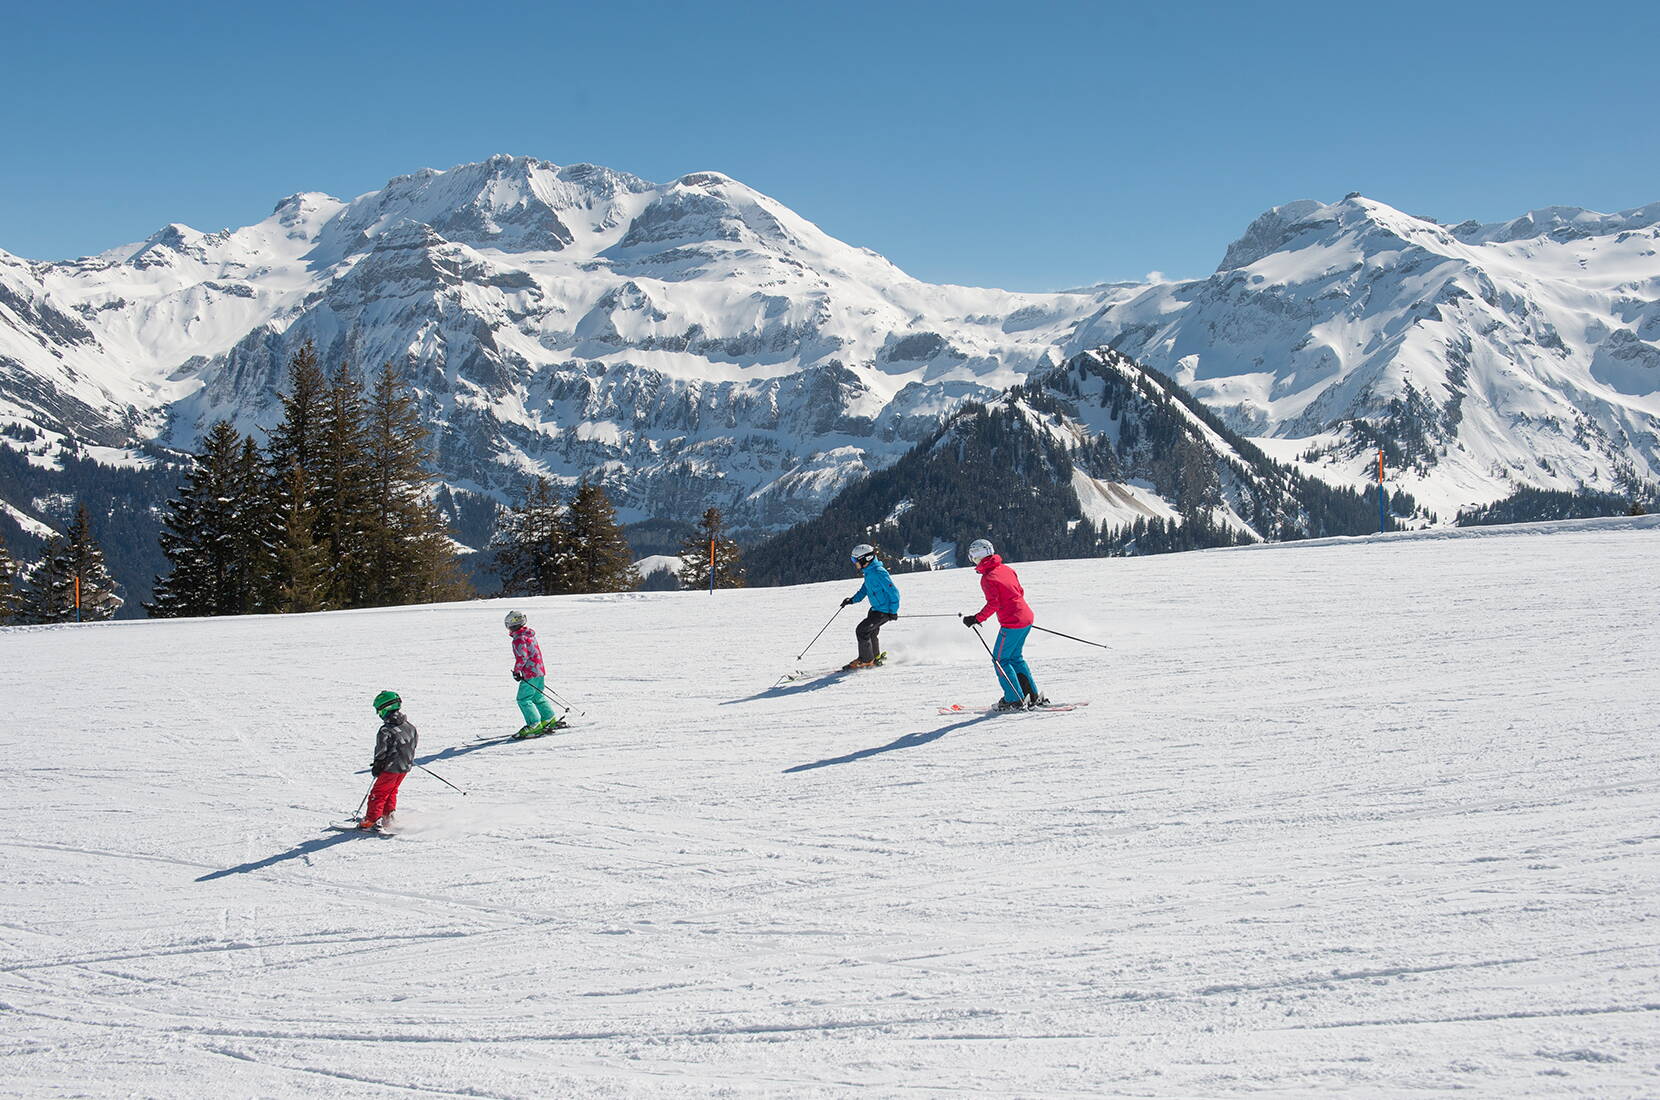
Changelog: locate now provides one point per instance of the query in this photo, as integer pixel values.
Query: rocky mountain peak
(1273, 230)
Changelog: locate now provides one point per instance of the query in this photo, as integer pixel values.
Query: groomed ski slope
(1375, 816)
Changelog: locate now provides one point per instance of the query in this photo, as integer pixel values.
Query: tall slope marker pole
(711, 565)
(1381, 522)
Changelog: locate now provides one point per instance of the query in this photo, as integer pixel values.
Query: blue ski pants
(1014, 675)
(532, 702)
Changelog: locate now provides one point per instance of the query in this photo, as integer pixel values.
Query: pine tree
(295, 446)
(297, 440)
(258, 533)
(302, 562)
(212, 535)
(343, 495)
(408, 554)
(9, 606)
(72, 563)
(695, 553)
(600, 559)
(532, 544)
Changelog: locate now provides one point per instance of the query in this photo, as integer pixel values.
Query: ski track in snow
(1368, 816)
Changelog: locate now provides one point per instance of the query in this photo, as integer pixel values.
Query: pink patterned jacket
(527, 655)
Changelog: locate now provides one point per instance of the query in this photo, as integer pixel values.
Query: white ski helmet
(980, 548)
(515, 619)
(863, 554)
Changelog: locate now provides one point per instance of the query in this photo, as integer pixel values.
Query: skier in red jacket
(1007, 599)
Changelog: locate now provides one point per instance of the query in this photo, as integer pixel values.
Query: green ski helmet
(515, 619)
(387, 702)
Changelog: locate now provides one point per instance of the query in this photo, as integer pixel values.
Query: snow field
(1368, 816)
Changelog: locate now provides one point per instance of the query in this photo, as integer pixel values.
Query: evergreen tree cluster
(8, 586)
(333, 513)
(69, 582)
(51, 480)
(1530, 505)
(545, 547)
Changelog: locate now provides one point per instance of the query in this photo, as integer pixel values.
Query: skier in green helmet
(394, 756)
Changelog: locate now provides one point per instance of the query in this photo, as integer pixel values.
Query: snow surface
(1373, 815)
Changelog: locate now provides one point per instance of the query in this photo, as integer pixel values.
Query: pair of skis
(1042, 708)
(544, 729)
(352, 827)
(798, 675)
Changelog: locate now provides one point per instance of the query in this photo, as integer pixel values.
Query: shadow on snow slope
(297, 852)
(783, 691)
(909, 741)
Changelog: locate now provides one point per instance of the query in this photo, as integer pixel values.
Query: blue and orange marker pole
(1382, 523)
(711, 565)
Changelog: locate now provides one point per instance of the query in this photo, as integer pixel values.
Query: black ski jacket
(394, 745)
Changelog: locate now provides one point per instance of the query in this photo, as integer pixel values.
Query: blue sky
(1031, 146)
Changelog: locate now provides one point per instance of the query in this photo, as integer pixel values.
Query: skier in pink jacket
(529, 671)
(1007, 600)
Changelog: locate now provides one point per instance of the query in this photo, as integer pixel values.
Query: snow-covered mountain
(1097, 456)
(1482, 357)
(697, 343)
(689, 343)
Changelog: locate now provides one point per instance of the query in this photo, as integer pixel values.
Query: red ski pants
(383, 796)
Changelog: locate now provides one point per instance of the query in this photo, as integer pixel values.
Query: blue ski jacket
(880, 588)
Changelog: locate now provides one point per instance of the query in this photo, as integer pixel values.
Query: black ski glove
(516, 675)
(848, 602)
(970, 620)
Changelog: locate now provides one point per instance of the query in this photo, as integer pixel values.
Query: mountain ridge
(696, 342)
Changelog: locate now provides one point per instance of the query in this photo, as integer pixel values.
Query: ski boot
(1010, 704)
(856, 664)
(1035, 700)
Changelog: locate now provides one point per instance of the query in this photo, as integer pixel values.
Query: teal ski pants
(532, 702)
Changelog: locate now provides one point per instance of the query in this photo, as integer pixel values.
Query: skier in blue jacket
(884, 605)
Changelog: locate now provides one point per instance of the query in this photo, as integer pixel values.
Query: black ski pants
(866, 631)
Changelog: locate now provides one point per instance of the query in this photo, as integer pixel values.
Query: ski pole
(803, 653)
(1058, 634)
(997, 668)
(568, 707)
(357, 814)
(441, 779)
(820, 634)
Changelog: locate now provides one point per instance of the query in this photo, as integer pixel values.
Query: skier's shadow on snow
(299, 851)
(783, 691)
(909, 741)
(457, 750)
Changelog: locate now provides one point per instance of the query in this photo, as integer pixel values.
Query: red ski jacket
(1003, 594)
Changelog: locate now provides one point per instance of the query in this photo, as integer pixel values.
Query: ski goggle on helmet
(863, 554)
(980, 548)
(387, 702)
(514, 620)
